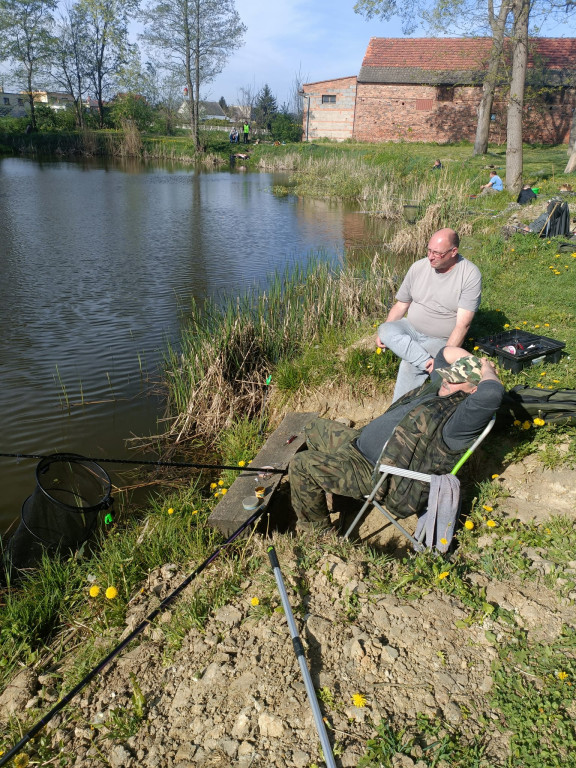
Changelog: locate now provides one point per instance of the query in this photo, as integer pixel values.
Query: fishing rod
(299, 651)
(143, 625)
(140, 462)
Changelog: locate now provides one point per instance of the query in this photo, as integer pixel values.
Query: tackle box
(517, 349)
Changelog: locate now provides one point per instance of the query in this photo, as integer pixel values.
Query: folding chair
(386, 470)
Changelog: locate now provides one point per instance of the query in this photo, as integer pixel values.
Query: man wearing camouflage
(426, 430)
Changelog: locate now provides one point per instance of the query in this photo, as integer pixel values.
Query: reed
(227, 351)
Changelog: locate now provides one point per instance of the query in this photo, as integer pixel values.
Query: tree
(26, 34)
(105, 24)
(68, 65)
(193, 39)
(514, 155)
(265, 108)
(223, 105)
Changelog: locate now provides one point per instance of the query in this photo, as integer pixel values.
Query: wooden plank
(229, 514)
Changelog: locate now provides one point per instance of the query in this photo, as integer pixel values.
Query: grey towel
(442, 514)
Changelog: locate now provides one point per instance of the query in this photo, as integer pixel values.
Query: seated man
(439, 297)
(494, 185)
(427, 431)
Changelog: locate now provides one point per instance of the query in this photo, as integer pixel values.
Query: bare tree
(68, 64)
(193, 39)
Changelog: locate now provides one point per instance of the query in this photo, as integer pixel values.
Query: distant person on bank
(494, 185)
(437, 165)
(434, 308)
(246, 131)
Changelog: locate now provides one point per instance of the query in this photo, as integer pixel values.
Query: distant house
(13, 105)
(429, 89)
(56, 100)
(209, 110)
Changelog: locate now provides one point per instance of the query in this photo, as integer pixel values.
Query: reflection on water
(100, 261)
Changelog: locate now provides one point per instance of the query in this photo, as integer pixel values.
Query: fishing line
(181, 464)
(145, 623)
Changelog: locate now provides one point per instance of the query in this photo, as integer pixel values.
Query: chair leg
(418, 546)
(367, 503)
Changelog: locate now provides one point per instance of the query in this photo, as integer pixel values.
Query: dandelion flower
(543, 373)
(111, 593)
(561, 675)
(21, 760)
(490, 523)
(443, 541)
(224, 491)
(526, 425)
(241, 463)
(217, 494)
(220, 482)
(94, 591)
(378, 351)
(556, 381)
(469, 525)
(539, 422)
(546, 325)
(517, 423)
(358, 700)
(524, 322)
(212, 486)
(195, 512)
(506, 325)
(254, 601)
(475, 348)
(487, 508)
(443, 575)
(171, 511)
(536, 326)
(495, 476)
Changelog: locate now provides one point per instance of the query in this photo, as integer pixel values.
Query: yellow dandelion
(490, 523)
(495, 476)
(524, 322)
(217, 494)
(358, 700)
(469, 525)
(241, 463)
(476, 348)
(195, 512)
(111, 593)
(487, 508)
(526, 425)
(539, 385)
(220, 482)
(94, 591)
(212, 486)
(517, 423)
(378, 351)
(224, 491)
(546, 325)
(254, 601)
(539, 422)
(557, 256)
(548, 531)
(561, 675)
(506, 325)
(171, 511)
(536, 326)
(512, 249)
(443, 541)
(21, 760)
(543, 373)
(556, 381)
(443, 575)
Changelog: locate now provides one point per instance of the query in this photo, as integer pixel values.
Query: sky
(323, 39)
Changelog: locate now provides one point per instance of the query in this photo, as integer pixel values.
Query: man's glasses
(438, 254)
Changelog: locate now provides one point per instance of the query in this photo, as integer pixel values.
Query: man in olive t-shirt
(434, 308)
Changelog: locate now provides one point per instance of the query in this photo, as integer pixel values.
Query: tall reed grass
(229, 350)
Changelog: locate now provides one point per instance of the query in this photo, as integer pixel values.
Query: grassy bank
(303, 332)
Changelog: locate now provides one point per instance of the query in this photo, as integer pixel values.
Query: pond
(100, 262)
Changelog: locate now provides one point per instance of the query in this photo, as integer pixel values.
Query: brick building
(428, 89)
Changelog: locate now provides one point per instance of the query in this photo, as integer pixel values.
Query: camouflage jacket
(417, 444)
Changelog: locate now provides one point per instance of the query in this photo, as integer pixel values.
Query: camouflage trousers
(330, 465)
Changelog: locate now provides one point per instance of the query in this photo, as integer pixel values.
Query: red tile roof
(459, 53)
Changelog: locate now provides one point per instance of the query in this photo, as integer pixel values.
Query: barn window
(328, 99)
(424, 105)
(445, 93)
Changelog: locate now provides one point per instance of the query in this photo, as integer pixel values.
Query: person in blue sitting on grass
(494, 185)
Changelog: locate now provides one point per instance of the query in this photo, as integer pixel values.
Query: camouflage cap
(465, 369)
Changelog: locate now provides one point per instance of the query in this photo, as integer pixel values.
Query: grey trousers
(414, 348)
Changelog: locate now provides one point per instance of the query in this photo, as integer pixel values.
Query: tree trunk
(488, 89)
(31, 100)
(514, 156)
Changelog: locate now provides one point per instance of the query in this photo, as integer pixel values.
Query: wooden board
(229, 514)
